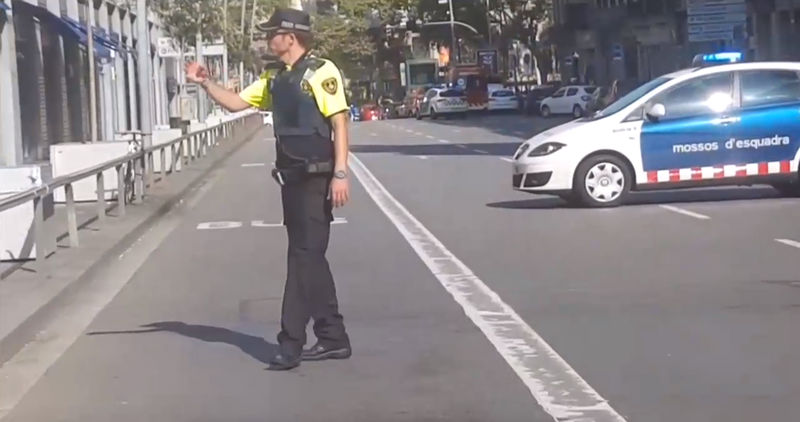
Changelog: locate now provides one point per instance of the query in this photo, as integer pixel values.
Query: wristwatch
(341, 174)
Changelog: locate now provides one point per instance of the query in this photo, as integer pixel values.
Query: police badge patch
(330, 85)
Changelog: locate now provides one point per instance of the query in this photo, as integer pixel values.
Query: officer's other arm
(341, 143)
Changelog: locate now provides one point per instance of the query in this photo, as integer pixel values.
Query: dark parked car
(534, 98)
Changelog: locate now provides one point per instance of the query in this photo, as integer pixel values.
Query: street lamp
(452, 27)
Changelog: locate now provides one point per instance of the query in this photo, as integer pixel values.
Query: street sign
(717, 9)
(712, 36)
(715, 20)
(711, 27)
(695, 3)
(168, 47)
(728, 17)
(462, 82)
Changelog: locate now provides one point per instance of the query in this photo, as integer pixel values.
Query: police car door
(766, 136)
(692, 132)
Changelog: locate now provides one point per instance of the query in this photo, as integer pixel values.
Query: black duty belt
(301, 172)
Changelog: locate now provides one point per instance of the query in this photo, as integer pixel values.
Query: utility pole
(488, 23)
(241, 62)
(145, 74)
(225, 43)
(92, 79)
(452, 33)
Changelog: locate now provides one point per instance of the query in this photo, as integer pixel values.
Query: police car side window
(559, 93)
(571, 92)
(765, 87)
(696, 97)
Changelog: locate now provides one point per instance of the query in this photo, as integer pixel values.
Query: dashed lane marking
(685, 212)
(254, 164)
(444, 141)
(554, 384)
(480, 151)
(789, 242)
(225, 225)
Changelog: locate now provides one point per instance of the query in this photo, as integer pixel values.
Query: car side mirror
(656, 111)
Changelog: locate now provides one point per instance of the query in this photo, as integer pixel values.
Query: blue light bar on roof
(726, 57)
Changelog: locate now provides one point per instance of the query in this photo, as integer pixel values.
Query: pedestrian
(309, 105)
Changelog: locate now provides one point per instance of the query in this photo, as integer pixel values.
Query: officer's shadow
(254, 346)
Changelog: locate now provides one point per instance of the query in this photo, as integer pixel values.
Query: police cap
(286, 19)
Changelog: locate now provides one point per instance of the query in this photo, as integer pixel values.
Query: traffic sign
(712, 36)
(168, 47)
(728, 17)
(714, 9)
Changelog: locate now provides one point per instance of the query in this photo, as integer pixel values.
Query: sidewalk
(29, 294)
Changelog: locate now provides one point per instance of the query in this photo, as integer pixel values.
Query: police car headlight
(546, 149)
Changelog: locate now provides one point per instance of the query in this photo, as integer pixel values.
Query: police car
(727, 124)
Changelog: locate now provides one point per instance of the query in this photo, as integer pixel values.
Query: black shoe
(321, 352)
(283, 363)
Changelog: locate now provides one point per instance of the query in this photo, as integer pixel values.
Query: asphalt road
(682, 306)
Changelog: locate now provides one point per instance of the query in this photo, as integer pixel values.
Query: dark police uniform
(303, 97)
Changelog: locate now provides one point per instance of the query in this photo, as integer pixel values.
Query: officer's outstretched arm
(227, 99)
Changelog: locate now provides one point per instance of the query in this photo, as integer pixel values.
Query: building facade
(44, 76)
(636, 40)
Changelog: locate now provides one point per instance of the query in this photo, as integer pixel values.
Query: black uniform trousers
(310, 291)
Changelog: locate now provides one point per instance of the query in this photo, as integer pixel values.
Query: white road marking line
(254, 164)
(552, 382)
(461, 146)
(685, 212)
(444, 141)
(507, 159)
(789, 242)
(480, 151)
(219, 225)
(422, 157)
(262, 224)
(430, 137)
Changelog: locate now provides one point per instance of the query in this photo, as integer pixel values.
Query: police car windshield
(632, 96)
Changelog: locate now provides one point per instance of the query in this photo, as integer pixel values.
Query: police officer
(309, 105)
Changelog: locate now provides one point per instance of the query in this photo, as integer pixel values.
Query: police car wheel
(434, 115)
(602, 181)
(545, 111)
(577, 111)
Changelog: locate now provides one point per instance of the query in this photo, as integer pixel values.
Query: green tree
(184, 19)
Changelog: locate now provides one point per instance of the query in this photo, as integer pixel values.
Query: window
(559, 93)
(590, 89)
(571, 92)
(704, 95)
(764, 87)
(502, 94)
(452, 93)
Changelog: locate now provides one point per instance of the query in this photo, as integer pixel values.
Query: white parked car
(732, 124)
(503, 99)
(573, 99)
(440, 101)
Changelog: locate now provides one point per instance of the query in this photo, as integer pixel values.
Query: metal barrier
(187, 148)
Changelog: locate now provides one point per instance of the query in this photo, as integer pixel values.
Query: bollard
(72, 218)
(38, 227)
(101, 198)
(121, 193)
(163, 163)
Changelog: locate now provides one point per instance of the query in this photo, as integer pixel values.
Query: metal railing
(185, 149)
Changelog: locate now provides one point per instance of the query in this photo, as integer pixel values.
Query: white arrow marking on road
(685, 212)
(789, 242)
(552, 382)
(254, 164)
(219, 225)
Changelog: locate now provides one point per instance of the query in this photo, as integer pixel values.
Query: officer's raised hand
(196, 73)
